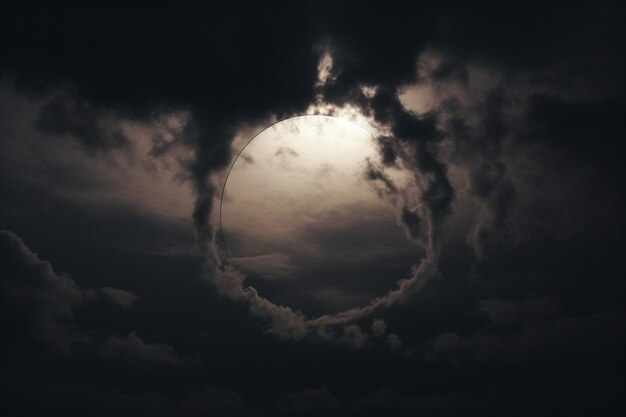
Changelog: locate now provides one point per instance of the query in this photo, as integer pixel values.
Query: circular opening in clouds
(308, 214)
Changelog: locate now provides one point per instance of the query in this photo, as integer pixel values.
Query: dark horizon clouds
(118, 124)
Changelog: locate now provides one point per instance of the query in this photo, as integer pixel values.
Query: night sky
(496, 288)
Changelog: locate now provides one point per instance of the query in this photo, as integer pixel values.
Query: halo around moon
(306, 214)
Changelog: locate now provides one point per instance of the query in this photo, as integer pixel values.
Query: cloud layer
(117, 128)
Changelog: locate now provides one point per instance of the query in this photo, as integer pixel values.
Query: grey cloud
(414, 224)
(477, 118)
(388, 150)
(394, 342)
(248, 159)
(288, 324)
(37, 302)
(488, 178)
(286, 152)
(375, 174)
(38, 310)
(515, 137)
(123, 298)
(379, 328)
(285, 156)
(450, 70)
(354, 336)
(501, 313)
(63, 173)
(421, 135)
(418, 134)
(270, 266)
(544, 331)
(212, 154)
(284, 321)
(133, 349)
(508, 314)
(64, 114)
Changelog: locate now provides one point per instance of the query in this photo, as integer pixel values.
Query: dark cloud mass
(35, 300)
(118, 124)
(64, 116)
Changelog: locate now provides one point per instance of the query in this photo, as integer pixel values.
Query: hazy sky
(443, 234)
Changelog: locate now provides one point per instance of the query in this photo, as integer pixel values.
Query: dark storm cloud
(36, 302)
(211, 78)
(135, 351)
(479, 149)
(388, 151)
(438, 192)
(560, 108)
(39, 309)
(65, 115)
(163, 65)
(529, 105)
(379, 328)
(534, 328)
(451, 71)
(152, 83)
(418, 133)
(374, 174)
(123, 298)
(476, 142)
(414, 225)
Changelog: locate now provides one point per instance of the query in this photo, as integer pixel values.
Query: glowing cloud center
(306, 222)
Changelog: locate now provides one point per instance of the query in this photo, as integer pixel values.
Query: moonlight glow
(307, 224)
